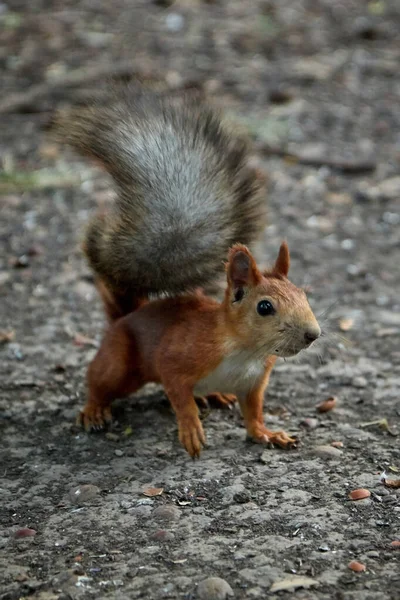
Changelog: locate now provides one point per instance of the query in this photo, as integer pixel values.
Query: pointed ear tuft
(282, 263)
(242, 269)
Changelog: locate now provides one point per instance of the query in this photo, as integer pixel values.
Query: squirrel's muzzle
(312, 334)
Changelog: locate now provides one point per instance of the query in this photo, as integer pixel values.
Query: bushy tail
(185, 194)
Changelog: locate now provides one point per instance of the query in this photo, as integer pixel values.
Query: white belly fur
(236, 374)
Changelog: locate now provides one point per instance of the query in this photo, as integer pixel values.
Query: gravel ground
(316, 80)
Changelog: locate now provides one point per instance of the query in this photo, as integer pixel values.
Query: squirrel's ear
(282, 263)
(242, 269)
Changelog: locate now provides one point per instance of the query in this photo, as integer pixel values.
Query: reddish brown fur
(181, 342)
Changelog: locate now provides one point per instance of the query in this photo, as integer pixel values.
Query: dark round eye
(265, 308)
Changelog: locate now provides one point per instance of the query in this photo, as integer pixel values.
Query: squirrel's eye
(265, 308)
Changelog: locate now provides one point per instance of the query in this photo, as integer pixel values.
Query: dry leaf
(346, 324)
(293, 582)
(7, 336)
(25, 532)
(359, 494)
(327, 404)
(393, 483)
(382, 424)
(153, 491)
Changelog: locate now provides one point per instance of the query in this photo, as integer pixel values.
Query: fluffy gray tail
(185, 191)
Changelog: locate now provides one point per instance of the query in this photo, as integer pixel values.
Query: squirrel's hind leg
(111, 374)
(217, 400)
(117, 304)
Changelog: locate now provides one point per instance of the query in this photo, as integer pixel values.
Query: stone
(166, 513)
(328, 452)
(214, 588)
(83, 493)
(359, 382)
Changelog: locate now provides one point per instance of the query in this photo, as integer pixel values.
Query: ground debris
(293, 582)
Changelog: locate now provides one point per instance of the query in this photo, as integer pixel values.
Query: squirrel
(187, 200)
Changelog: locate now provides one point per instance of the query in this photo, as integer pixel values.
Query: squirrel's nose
(311, 335)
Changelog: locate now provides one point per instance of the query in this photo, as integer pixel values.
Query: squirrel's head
(264, 309)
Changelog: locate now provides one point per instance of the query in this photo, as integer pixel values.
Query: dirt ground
(318, 80)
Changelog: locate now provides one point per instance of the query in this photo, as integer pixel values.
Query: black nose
(311, 336)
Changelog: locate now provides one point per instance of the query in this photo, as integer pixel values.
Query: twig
(19, 100)
(338, 164)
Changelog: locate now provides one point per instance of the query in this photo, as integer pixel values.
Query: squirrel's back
(185, 192)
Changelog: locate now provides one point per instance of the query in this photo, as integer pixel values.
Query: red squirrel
(186, 199)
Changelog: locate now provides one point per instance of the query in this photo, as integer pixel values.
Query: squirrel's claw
(191, 436)
(218, 400)
(262, 435)
(94, 418)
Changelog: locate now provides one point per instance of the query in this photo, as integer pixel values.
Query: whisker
(328, 309)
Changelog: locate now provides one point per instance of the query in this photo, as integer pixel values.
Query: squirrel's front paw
(94, 418)
(262, 435)
(191, 435)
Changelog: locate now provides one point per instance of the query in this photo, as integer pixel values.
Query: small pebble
(327, 405)
(214, 588)
(175, 22)
(328, 452)
(395, 544)
(359, 494)
(242, 497)
(166, 513)
(113, 437)
(337, 444)
(310, 423)
(359, 382)
(83, 493)
(356, 566)
(382, 492)
(118, 452)
(161, 535)
(21, 262)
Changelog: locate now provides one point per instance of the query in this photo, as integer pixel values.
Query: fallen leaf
(7, 336)
(356, 566)
(392, 483)
(327, 404)
(128, 431)
(293, 582)
(346, 324)
(382, 424)
(359, 494)
(25, 532)
(394, 469)
(153, 491)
